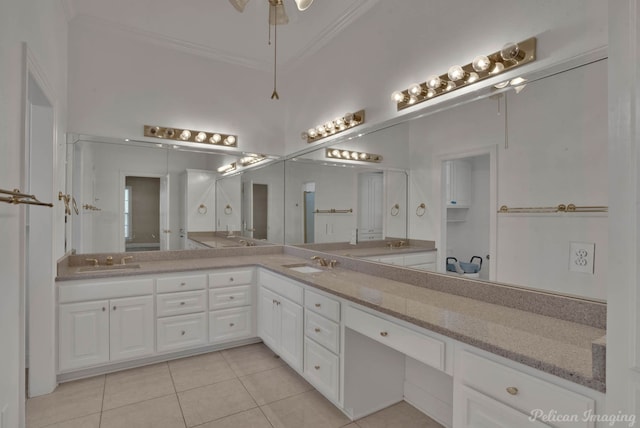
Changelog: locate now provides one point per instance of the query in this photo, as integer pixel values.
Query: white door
(292, 334)
(84, 334)
(268, 328)
(131, 327)
(165, 229)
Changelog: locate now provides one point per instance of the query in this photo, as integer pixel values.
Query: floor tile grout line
(104, 391)
(141, 401)
(175, 391)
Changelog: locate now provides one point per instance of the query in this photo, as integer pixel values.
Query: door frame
(165, 238)
(441, 236)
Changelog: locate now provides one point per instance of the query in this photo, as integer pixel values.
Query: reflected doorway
(260, 205)
(309, 198)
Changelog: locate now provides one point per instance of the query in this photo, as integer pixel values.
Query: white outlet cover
(581, 256)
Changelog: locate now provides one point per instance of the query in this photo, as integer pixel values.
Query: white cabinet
(281, 319)
(457, 176)
(182, 331)
(370, 200)
(97, 332)
(231, 296)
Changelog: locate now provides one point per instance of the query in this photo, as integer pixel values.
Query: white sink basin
(304, 268)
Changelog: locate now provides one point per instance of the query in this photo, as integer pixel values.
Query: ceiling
(213, 28)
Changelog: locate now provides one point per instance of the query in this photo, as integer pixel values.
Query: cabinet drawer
(229, 297)
(520, 390)
(416, 345)
(181, 303)
(97, 290)
(230, 324)
(325, 306)
(173, 283)
(183, 331)
(419, 258)
(282, 286)
(323, 331)
(322, 369)
(226, 278)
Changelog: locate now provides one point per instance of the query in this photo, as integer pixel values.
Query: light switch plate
(581, 256)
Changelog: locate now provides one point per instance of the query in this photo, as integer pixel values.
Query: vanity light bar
(252, 159)
(352, 155)
(482, 67)
(191, 136)
(227, 168)
(333, 127)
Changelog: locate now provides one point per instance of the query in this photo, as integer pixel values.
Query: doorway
(309, 206)
(260, 205)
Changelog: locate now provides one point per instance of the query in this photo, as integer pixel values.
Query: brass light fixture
(482, 67)
(277, 16)
(332, 127)
(352, 155)
(225, 169)
(252, 159)
(191, 136)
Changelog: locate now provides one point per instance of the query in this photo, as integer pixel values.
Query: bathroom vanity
(364, 334)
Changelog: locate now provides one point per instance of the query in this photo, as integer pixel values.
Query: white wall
(120, 83)
(393, 45)
(229, 192)
(201, 190)
(273, 176)
(42, 26)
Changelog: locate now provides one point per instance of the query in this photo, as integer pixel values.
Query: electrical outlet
(581, 256)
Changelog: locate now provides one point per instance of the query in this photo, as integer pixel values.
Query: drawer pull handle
(182, 333)
(181, 303)
(231, 297)
(384, 333)
(318, 305)
(317, 330)
(512, 390)
(182, 284)
(231, 279)
(231, 324)
(115, 307)
(316, 367)
(104, 309)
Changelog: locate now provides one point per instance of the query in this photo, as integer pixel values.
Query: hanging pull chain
(275, 95)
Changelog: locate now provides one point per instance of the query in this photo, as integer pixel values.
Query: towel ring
(75, 206)
(228, 210)
(422, 208)
(202, 209)
(395, 210)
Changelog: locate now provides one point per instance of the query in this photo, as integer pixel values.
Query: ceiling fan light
(239, 4)
(303, 4)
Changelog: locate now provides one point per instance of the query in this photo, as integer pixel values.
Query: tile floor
(245, 387)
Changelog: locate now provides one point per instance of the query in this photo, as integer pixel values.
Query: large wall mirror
(142, 196)
(530, 148)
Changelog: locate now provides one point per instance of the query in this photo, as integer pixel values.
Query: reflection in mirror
(140, 196)
(523, 147)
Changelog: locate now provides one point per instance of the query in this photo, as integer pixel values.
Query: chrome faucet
(123, 261)
(320, 260)
(93, 261)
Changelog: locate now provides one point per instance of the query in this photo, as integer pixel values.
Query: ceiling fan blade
(303, 4)
(277, 14)
(239, 4)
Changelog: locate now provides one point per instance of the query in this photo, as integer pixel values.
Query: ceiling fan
(277, 16)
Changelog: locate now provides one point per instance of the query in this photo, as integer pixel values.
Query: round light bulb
(339, 122)
(154, 131)
(320, 130)
(215, 138)
(169, 132)
(335, 152)
(345, 154)
(430, 93)
(201, 137)
(412, 99)
(473, 77)
(415, 89)
(497, 68)
(455, 73)
(363, 156)
(397, 96)
(348, 117)
(510, 51)
(304, 135)
(450, 86)
(354, 155)
(433, 82)
(185, 135)
(501, 85)
(481, 63)
(328, 126)
(230, 140)
(312, 132)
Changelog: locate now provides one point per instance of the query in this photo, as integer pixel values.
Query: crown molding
(177, 44)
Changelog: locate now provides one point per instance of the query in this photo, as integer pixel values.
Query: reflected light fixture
(190, 136)
(225, 169)
(332, 127)
(333, 153)
(511, 55)
(277, 16)
(252, 159)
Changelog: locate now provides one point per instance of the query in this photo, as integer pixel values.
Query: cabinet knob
(512, 390)
(231, 324)
(318, 305)
(104, 309)
(317, 330)
(231, 279)
(182, 284)
(114, 308)
(316, 367)
(182, 333)
(384, 333)
(231, 297)
(181, 303)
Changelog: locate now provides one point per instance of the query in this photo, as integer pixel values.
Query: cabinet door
(268, 328)
(458, 182)
(131, 327)
(476, 410)
(291, 334)
(84, 334)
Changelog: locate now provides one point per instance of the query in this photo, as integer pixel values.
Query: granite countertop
(562, 348)
(374, 248)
